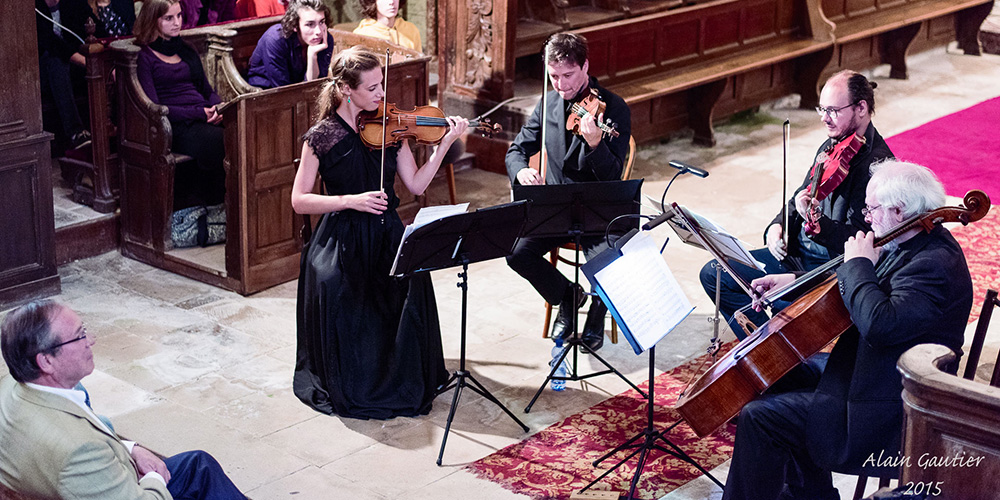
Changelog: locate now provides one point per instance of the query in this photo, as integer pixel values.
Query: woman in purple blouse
(171, 74)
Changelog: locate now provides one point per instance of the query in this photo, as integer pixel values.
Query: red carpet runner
(961, 148)
(558, 460)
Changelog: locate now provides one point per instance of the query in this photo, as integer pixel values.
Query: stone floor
(182, 365)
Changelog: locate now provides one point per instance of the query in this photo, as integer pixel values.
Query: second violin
(422, 124)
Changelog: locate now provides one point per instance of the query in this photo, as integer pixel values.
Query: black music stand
(577, 210)
(462, 239)
(647, 440)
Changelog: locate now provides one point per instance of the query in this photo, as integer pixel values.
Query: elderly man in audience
(296, 50)
(53, 445)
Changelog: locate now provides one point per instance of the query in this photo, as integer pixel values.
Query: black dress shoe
(593, 328)
(562, 327)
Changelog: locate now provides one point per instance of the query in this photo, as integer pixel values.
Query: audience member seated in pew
(382, 20)
(171, 74)
(260, 8)
(297, 49)
(115, 17)
(200, 12)
(60, 30)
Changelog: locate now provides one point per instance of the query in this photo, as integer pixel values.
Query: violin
(422, 124)
(590, 105)
(828, 172)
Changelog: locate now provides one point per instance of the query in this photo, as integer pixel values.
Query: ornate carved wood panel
(27, 247)
(476, 48)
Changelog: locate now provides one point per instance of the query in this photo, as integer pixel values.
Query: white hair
(911, 188)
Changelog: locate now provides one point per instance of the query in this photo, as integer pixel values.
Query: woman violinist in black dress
(369, 345)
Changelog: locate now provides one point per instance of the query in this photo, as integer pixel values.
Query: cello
(794, 334)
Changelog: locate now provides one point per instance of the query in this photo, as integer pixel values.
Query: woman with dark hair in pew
(298, 49)
(368, 344)
(382, 20)
(171, 74)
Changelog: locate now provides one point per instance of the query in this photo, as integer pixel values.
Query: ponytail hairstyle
(345, 69)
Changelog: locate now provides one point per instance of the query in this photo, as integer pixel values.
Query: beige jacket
(50, 447)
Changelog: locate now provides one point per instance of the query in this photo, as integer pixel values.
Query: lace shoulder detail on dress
(324, 135)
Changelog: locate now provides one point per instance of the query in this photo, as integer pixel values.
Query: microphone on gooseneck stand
(688, 169)
(682, 168)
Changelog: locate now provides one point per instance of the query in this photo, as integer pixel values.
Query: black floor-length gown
(369, 345)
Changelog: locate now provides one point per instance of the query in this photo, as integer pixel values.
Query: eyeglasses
(868, 210)
(833, 112)
(70, 341)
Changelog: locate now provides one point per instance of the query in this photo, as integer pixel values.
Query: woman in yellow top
(382, 21)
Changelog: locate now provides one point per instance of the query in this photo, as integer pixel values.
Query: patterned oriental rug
(981, 244)
(557, 461)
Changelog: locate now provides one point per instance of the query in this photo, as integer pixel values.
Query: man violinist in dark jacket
(916, 289)
(847, 104)
(589, 156)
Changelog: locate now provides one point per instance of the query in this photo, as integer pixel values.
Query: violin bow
(543, 157)
(785, 130)
(385, 92)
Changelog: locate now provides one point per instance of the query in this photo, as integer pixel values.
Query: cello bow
(793, 335)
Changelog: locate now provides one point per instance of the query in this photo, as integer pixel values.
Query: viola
(422, 124)
(793, 334)
(590, 105)
(828, 172)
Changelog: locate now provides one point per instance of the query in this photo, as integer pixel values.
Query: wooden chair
(976, 349)
(554, 257)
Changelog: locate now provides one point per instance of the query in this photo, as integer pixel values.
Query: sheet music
(730, 246)
(425, 216)
(643, 291)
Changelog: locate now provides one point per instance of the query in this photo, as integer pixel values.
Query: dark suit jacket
(573, 162)
(73, 14)
(924, 296)
(844, 219)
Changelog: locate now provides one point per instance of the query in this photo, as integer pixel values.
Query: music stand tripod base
(646, 441)
(461, 378)
(575, 210)
(462, 239)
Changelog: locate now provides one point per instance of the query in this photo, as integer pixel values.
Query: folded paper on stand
(709, 234)
(641, 292)
(425, 216)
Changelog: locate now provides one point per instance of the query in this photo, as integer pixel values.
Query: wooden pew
(537, 20)
(226, 50)
(95, 182)
(873, 32)
(709, 60)
(263, 141)
(947, 416)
